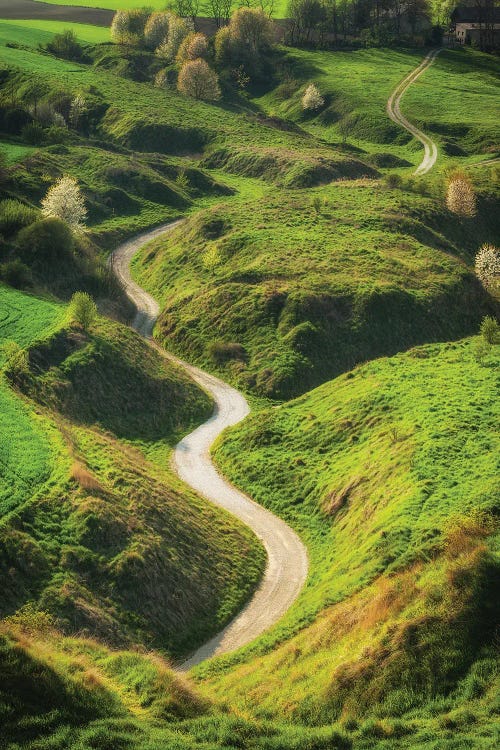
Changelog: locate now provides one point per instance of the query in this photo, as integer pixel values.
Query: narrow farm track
(287, 562)
(394, 112)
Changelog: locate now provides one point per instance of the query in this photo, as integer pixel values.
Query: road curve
(287, 562)
(394, 112)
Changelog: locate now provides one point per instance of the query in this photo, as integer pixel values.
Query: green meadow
(34, 32)
(315, 272)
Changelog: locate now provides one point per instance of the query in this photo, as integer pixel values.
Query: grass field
(282, 295)
(34, 32)
(455, 100)
(390, 474)
(24, 318)
(279, 11)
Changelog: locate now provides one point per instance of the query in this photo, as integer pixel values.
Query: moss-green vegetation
(296, 287)
(91, 530)
(390, 473)
(31, 33)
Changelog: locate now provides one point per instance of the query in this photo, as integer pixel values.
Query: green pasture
(37, 31)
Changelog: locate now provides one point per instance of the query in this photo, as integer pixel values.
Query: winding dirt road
(287, 562)
(394, 112)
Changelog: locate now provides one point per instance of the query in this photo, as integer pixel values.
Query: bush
(16, 361)
(82, 310)
(156, 29)
(33, 134)
(487, 265)
(45, 242)
(460, 196)
(198, 80)
(194, 46)
(490, 330)
(16, 274)
(15, 215)
(65, 45)
(178, 30)
(65, 201)
(14, 119)
(312, 99)
(221, 352)
(128, 26)
(393, 180)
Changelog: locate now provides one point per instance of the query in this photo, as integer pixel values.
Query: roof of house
(464, 14)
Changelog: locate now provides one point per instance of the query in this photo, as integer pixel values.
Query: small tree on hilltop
(156, 29)
(487, 265)
(194, 46)
(312, 99)
(82, 310)
(65, 201)
(196, 79)
(460, 196)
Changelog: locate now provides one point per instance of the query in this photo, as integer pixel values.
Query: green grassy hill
(288, 290)
(99, 532)
(391, 475)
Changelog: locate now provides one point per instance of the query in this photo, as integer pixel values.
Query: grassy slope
(32, 33)
(308, 294)
(454, 100)
(107, 541)
(388, 473)
(279, 12)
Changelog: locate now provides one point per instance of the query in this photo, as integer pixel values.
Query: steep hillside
(92, 531)
(283, 292)
(391, 474)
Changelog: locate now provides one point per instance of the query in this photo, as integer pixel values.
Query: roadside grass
(95, 527)
(282, 292)
(33, 32)
(390, 474)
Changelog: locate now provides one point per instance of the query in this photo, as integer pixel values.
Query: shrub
(194, 46)
(77, 109)
(33, 134)
(65, 201)
(178, 30)
(460, 196)
(14, 120)
(16, 274)
(245, 41)
(15, 215)
(221, 352)
(82, 310)
(16, 361)
(45, 242)
(128, 26)
(65, 45)
(490, 330)
(156, 29)
(198, 80)
(312, 99)
(161, 80)
(487, 265)
(393, 180)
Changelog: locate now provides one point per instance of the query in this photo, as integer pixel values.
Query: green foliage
(490, 330)
(15, 215)
(82, 310)
(399, 532)
(65, 45)
(33, 134)
(44, 243)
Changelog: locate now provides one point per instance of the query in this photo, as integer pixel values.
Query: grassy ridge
(24, 318)
(282, 292)
(390, 472)
(91, 530)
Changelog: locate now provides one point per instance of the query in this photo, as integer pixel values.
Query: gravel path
(394, 112)
(287, 562)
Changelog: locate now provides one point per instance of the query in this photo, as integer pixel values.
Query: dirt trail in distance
(287, 562)
(394, 112)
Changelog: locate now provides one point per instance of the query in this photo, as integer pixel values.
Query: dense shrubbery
(65, 45)
(45, 243)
